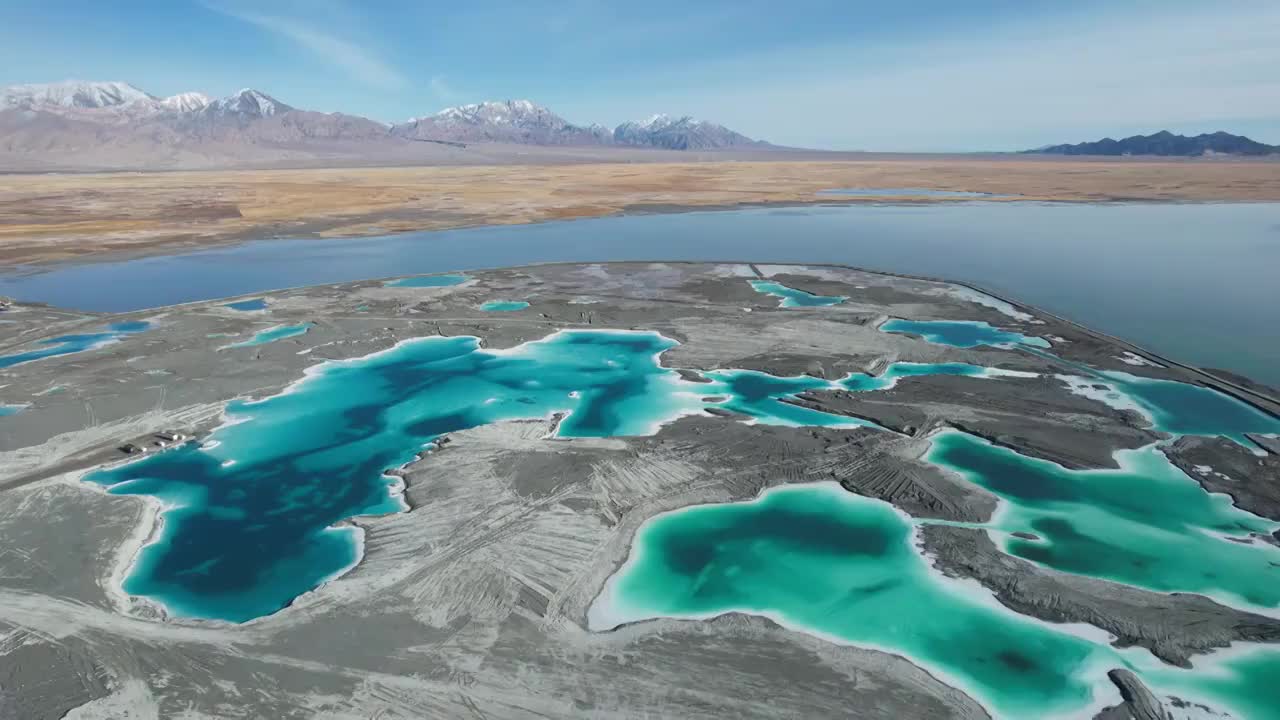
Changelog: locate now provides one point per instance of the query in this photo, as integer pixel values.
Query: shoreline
(171, 248)
(46, 217)
(178, 247)
(1270, 403)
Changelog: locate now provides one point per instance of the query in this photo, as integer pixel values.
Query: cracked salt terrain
(475, 601)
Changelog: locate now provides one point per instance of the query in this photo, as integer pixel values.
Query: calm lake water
(912, 192)
(1194, 282)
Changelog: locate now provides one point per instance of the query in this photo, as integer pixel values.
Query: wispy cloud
(1005, 88)
(357, 62)
(442, 89)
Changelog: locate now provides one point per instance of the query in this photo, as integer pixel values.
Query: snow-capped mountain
(683, 133)
(186, 102)
(512, 121)
(116, 100)
(524, 122)
(118, 125)
(511, 112)
(73, 94)
(247, 103)
(80, 124)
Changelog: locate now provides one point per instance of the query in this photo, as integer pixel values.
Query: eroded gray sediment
(43, 678)
(1031, 415)
(1139, 702)
(474, 602)
(1252, 481)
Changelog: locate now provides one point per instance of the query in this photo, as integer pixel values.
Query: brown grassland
(45, 218)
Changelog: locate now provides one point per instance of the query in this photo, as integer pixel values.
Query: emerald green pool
(823, 561)
(819, 559)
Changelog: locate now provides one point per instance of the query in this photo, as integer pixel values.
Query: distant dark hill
(1166, 143)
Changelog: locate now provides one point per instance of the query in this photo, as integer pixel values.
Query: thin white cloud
(442, 89)
(357, 62)
(1002, 88)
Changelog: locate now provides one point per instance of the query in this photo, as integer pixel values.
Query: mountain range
(1167, 144)
(109, 123)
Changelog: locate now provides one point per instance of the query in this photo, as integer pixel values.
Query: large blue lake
(1194, 282)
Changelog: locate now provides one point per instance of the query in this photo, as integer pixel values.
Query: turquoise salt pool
(962, 333)
(820, 560)
(270, 487)
(813, 557)
(1145, 524)
(793, 298)
(248, 305)
(428, 281)
(504, 305)
(762, 398)
(271, 335)
(69, 344)
(1176, 408)
(862, 382)
(823, 561)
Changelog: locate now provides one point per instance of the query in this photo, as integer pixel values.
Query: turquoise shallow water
(428, 281)
(1172, 407)
(819, 559)
(762, 397)
(813, 561)
(248, 305)
(961, 333)
(272, 486)
(1246, 681)
(833, 563)
(1184, 409)
(824, 561)
(504, 305)
(793, 298)
(271, 335)
(68, 344)
(862, 382)
(269, 486)
(1146, 524)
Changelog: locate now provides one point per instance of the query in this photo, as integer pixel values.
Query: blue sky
(929, 75)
